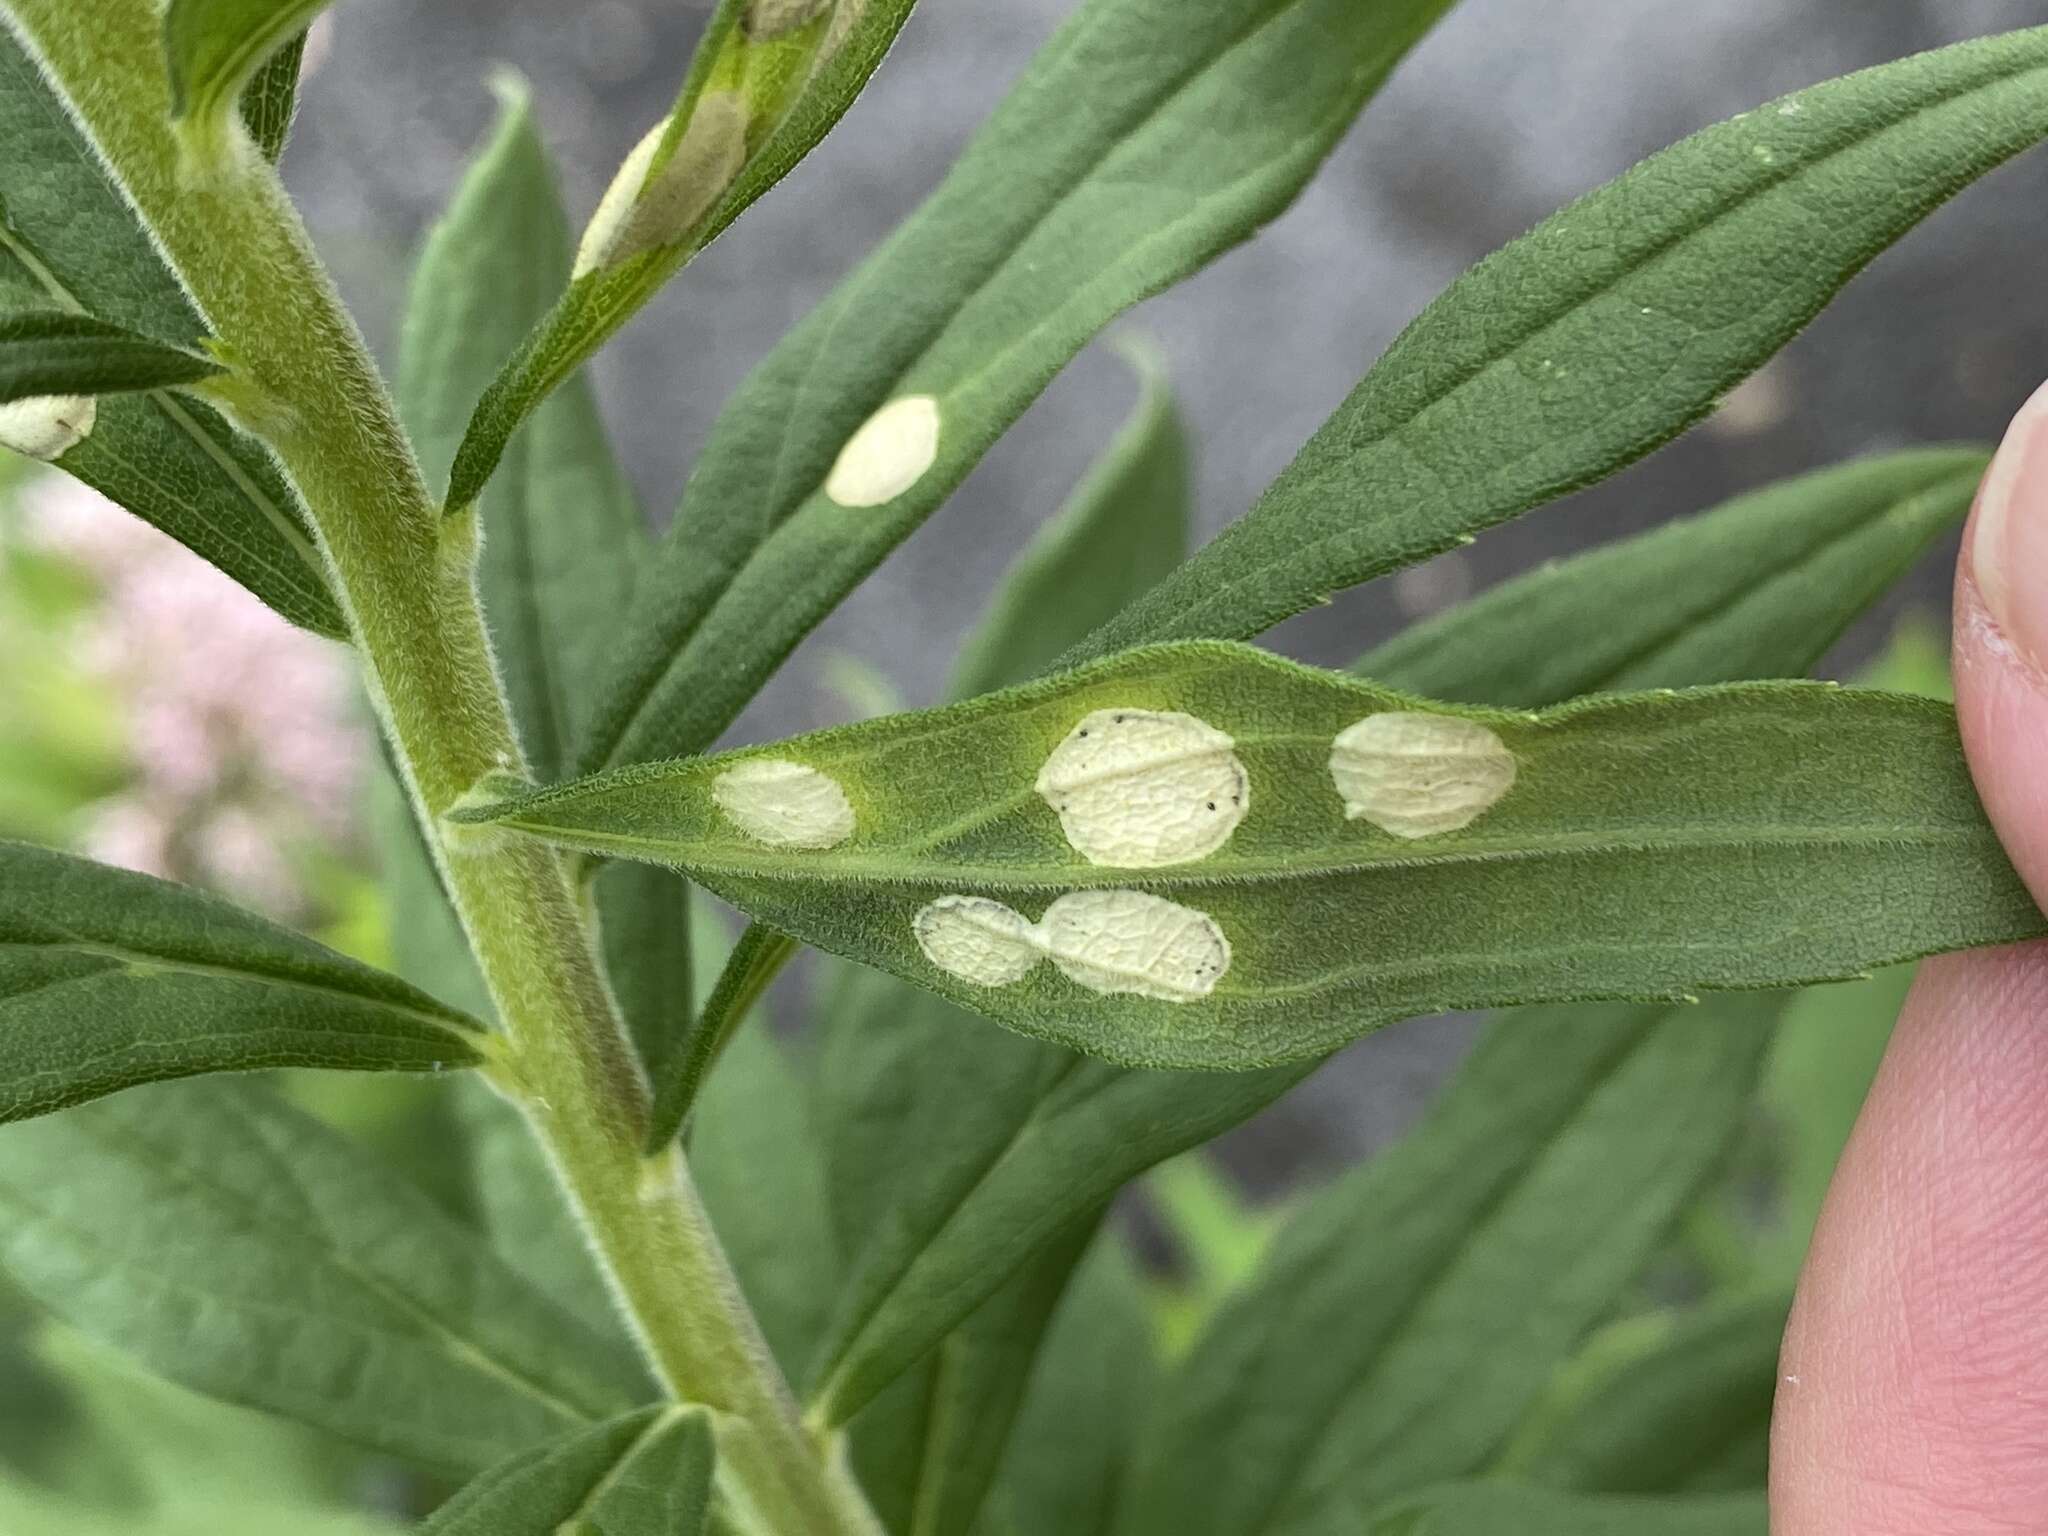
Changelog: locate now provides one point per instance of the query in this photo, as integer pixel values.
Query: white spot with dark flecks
(784, 804)
(1135, 943)
(47, 427)
(976, 939)
(1117, 942)
(888, 455)
(1140, 788)
(1418, 775)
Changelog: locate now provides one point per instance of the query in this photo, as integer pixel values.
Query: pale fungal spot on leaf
(1131, 942)
(641, 213)
(47, 427)
(768, 19)
(888, 455)
(784, 804)
(1418, 775)
(1141, 789)
(976, 939)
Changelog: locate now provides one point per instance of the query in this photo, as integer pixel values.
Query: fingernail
(2009, 549)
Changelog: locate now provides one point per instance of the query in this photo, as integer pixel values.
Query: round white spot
(977, 940)
(784, 804)
(1138, 789)
(888, 455)
(47, 426)
(1132, 942)
(1420, 775)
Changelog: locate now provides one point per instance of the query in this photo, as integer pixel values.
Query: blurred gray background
(1511, 108)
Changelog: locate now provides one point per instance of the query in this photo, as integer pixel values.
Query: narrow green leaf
(1635, 846)
(1205, 122)
(270, 101)
(644, 1474)
(110, 979)
(242, 1249)
(215, 48)
(1760, 587)
(70, 240)
(765, 86)
(1122, 531)
(60, 352)
(1094, 1380)
(1661, 1404)
(564, 538)
(1507, 1225)
(753, 966)
(1500, 1509)
(1608, 330)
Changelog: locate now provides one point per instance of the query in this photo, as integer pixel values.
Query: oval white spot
(977, 940)
(639, 213)
(47, 426)
(784, 804)
(1135, 943)
(888, 455)
(1420, 775)
(1139, 789)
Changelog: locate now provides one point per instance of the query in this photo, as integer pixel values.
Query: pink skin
(1913, 1394)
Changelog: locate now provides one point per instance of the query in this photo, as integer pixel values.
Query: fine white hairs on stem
(888, 455)
(1418, 775)
(1114, 942)
(1140, 789)
(641, 212)
(47, 427)
(784, 804)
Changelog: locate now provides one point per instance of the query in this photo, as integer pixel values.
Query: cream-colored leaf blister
(1135, 943)
(977, 940)
(784, 804)
(1142, 789)
(641, 213)
(47, 427)
(888, 455)
(1417, 775)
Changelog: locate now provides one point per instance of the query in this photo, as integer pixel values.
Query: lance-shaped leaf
(1069, 1145)
(110, 979)
(1502, 1509)
(769, 79)
(215, 48)
(270, 101)
(1511, 1221)
(239, 1247)
(1661, 1404)
(564, 538)
(61, 352)
(70, 240)
(642, 1474)
(1760, 587)
(1608, 330)
(1204, 122)
(1203, 856)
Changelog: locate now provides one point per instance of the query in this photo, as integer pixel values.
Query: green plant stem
(303, 381)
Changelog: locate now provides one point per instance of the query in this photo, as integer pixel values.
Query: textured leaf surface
(756, 100)
(643, 1474)
(563, 535)
(59, 352)
(110, 979)
(242, 1249)
(270, 101)
(1499, 1509)
(1608, 330)
(69, 239)
(1507, 1225)
(1663, 1404)
(1760, 587)
(1205, 122)
(214, 48)
(1649, 845)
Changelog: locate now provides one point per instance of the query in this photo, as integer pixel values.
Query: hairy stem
(303, 381)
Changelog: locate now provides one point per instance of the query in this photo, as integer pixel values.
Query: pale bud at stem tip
(47, 427)
(2009, 542)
